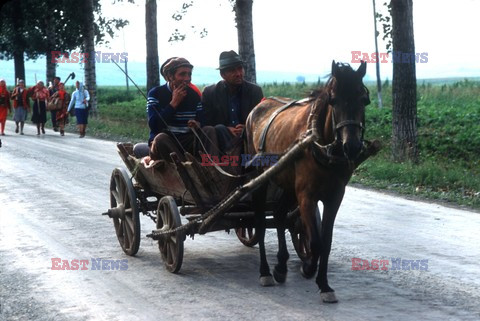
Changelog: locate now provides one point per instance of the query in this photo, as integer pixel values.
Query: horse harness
(286, 105)
(315, 147)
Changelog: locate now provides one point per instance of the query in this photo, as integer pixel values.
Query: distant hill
(108, 74)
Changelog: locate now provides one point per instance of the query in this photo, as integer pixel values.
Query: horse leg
(308, 208)
(258, 200)
(330, 209)
(280, 215)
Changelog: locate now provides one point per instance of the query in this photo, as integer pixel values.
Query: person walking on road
(52, 89)
(79, 101)
(21, 105)
(40, 96)
(5, 106)
(61, 115)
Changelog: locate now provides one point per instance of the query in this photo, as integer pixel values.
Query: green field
(448, 129)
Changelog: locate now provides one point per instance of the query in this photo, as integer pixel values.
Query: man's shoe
(55, 129)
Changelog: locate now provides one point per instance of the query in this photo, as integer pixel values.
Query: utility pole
(379, 82)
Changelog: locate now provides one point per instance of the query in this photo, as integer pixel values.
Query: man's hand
(193, 124)
(237, 130)
(178, 94)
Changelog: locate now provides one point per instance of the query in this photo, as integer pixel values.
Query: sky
(292, 38)
(304, 36)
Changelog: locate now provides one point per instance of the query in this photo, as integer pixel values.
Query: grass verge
(448, 135)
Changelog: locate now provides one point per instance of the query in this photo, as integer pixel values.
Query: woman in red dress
(63, 101)
(5, 106)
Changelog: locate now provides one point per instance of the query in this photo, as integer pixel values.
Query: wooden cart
(165, 191)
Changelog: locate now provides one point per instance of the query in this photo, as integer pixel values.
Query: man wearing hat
(173, 110)
(228, 103)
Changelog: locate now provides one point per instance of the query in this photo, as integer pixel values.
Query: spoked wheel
(247, 236)
(124, 211)
(171, 245)
(299, 240)
(299, 237)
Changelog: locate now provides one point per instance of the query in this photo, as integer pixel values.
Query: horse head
(348, 97)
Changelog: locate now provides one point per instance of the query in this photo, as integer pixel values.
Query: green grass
(449, 145)
(448, 136)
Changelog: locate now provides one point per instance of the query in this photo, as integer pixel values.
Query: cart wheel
(247, 236)
(299, 239)
(171, 246)
(123, 202)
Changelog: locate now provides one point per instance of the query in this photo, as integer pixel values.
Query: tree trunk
(51, 44)
(377, 65)
(18, 55)
(89, 43)
(153, 71)
(19, 63)
(243, 17)
(404, 84)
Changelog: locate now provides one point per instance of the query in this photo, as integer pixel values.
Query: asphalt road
(53, 190)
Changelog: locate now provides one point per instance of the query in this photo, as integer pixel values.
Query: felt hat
(229, 59)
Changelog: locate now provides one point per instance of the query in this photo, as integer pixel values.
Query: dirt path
(53, 190)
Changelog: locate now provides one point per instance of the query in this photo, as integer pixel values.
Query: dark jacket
(215, 102)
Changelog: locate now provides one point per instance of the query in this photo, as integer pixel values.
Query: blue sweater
(158, 108)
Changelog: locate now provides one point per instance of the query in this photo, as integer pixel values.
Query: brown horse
(335, 113)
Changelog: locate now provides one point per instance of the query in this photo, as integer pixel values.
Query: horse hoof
(280, 277)
(267, 280)
(305, 273)
(328, 297)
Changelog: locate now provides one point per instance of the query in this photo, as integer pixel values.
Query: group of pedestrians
(183, 119)
(54, 98)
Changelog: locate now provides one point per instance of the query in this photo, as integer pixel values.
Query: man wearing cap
(174, 109)
(228, 103)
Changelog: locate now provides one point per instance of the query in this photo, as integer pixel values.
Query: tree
(89, 45)
(244, 24)
(404, 83)
(32, 29)
(243, 18)
(13, 41)
(153, 70)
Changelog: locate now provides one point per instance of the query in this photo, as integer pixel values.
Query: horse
(336, 114)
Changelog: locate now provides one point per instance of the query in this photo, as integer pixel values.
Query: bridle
(324, 154)
(349, 122)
